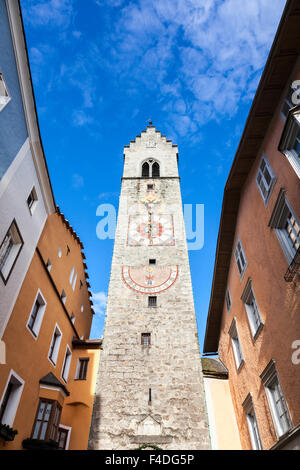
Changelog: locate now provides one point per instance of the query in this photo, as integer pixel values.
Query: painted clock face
(159, 231)
(149, 279)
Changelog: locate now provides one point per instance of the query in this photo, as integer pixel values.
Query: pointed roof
(50, 379)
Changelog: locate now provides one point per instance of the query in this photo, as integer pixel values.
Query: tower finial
(150, 122)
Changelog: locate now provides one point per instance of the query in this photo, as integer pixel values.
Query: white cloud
(202, 56)
(77, 181)
(48, 12)
(99, 302)
(80, 118)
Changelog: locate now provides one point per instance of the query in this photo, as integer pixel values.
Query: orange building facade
(47, 384)
(254, 314)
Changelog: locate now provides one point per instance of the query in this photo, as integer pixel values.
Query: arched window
(155, 170)
(150, 169)
(145, 170)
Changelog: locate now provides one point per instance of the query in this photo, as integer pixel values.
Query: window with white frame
(252, 423)
(32, 200)
(49, 265)
(228, 300)
(277, 402)
(288, 103)
(9, 251)
(55, 344)
(286, 226)
(252, 309)
(289, 143)
(236, 345)
(11, 398)
(36, 315)
(73, 278)
(4, 94)
(66, 364)
(74, 282)
(63, 296)
(240, 258)
(265, 179)
(71, 275)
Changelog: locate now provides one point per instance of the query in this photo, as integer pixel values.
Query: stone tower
(150, 387)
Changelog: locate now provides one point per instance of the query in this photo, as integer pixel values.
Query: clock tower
(150, 388)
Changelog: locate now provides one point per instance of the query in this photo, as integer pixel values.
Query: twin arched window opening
(150, 169)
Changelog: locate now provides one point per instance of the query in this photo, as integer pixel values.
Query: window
(252, 310)
(289, 143)
(63, 297)
(66, 364)
(4, 95)
(152, 301)
(49, 265)
(252, 423)
(145, 339)
(32, 201)
(150, 187)
(240, 258)
(82, 367)
(288, 103)
(145, 170)
(9, 251)
(36, 316)
(55, 343)
(286, 226)
(47, 420)
(150, 169)
(71, 275)
(74, 282)
(228, 300)
(63, 437)
(11, 398)
(278, 406)
(152, 261)
(236, 345)
(265, 179)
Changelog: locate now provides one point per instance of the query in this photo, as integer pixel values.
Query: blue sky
(101, 68)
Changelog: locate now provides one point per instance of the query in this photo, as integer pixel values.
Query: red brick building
(254, 313)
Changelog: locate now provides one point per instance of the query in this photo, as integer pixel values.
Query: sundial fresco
(149, 279)
(151, 227)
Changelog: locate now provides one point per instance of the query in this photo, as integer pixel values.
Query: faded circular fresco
(149, 279)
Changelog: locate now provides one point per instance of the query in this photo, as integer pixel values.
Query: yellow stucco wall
(222, 423)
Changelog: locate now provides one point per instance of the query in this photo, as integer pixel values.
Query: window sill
(239, 368)
(257, 333)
